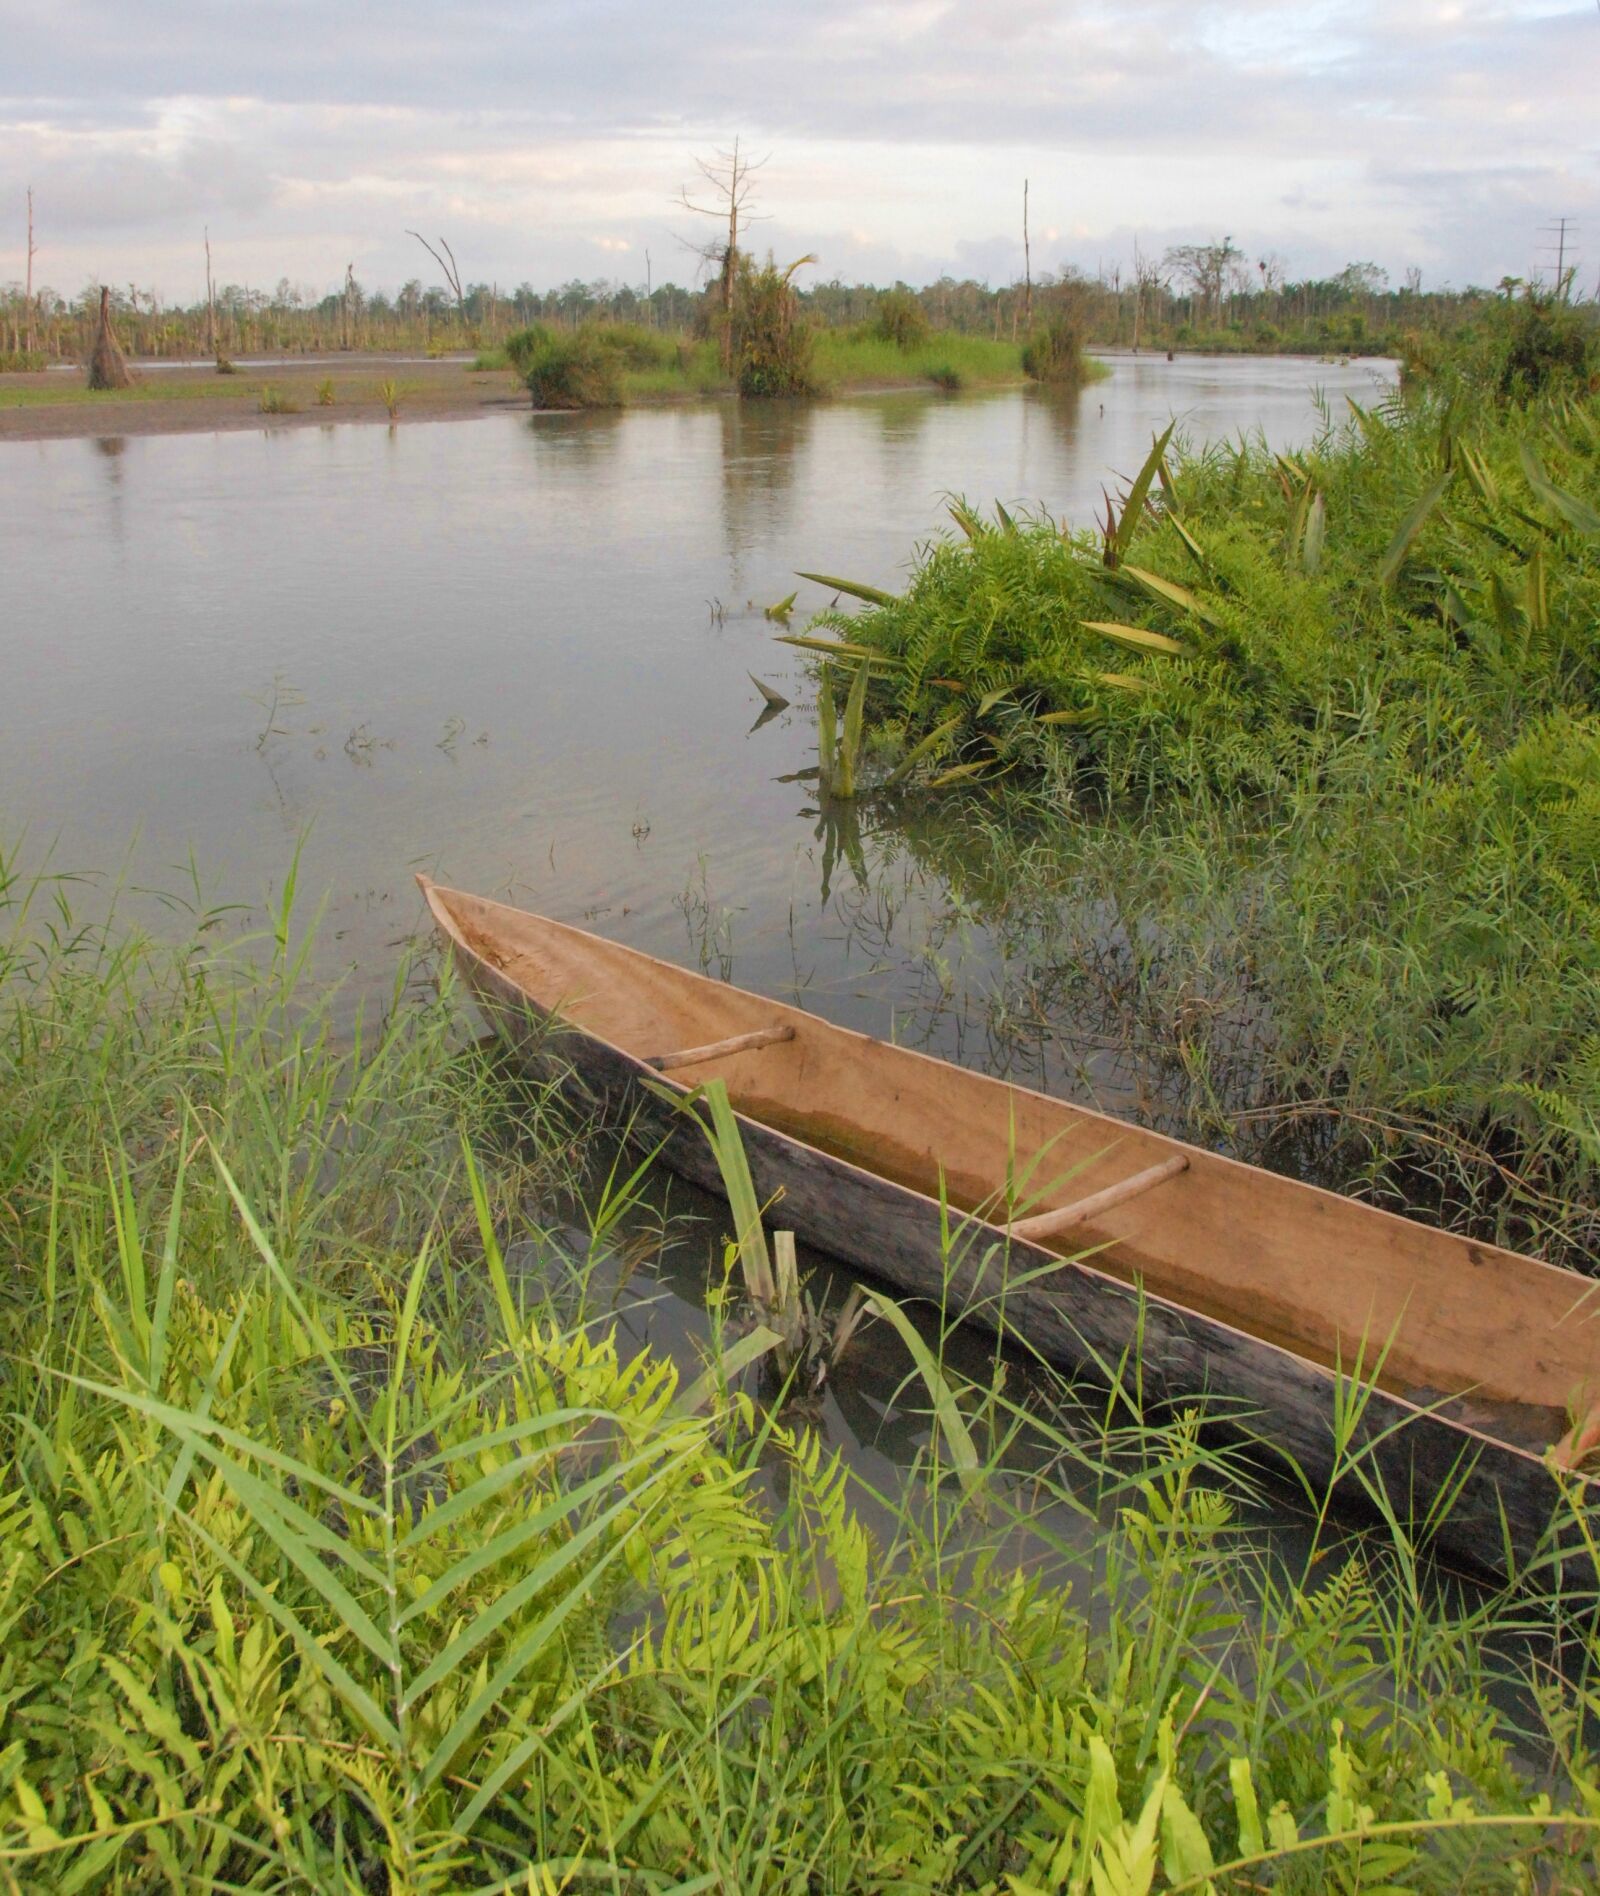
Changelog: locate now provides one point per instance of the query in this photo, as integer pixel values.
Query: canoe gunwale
(1509, 1490)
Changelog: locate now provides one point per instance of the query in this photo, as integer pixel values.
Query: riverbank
(296, 392)
(54, 406)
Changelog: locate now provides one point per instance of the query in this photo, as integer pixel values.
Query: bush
(771, 337)
(1549, 344)
(1055, 352)
(901, 319)
(20, 361)
(522, 345)
(637, 347)
(574, 370)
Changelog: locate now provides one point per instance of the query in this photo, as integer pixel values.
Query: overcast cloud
(547, 140)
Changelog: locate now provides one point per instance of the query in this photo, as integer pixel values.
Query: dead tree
(729, 176)
(1027, 267)
(211, 302)
(452, 275)
(108, 366)
(27, 295)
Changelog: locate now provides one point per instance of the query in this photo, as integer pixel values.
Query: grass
(343, 1550)
(860, 359)
(1368, 671)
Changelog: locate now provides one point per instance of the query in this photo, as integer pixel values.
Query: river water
(515, 652)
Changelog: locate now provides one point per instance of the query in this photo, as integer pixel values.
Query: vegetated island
(244, 359)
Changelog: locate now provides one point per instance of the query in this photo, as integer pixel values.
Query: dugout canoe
(1472, 1372)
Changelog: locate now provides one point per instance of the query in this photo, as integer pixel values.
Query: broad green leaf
(1196, 552)
(1171, 591)
(952, 1424)
(1479, 475)
(1406, 533)
(834, 648)
(750, 1348)
(873, 595)
(957, 773)
(1246, 1808)
(1577, 512)
(1138, 493)
(1316, 534)
(1135, 635)
(936, 738)
(848, 756)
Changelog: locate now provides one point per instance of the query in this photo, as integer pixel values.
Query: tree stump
(108, 366)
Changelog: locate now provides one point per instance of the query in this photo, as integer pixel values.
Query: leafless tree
(347, 306)
(27, 299)
(1027, 266)
(211, 301)
(452, 275)
(1149, 280)
(729, 177)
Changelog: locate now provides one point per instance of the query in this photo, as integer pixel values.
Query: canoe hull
(1501, 1498)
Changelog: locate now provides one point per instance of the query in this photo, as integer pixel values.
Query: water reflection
(762, 445)
(538, 587)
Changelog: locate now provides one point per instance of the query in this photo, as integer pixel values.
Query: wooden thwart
(1051, 1224)
(715, 1049)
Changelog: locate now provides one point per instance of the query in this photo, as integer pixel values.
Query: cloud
(536, 132)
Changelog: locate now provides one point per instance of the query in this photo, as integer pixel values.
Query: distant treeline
(1198, 297)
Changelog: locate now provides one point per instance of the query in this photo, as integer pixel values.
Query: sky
(547, 139)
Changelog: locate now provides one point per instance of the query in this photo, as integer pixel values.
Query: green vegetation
(343, 1552)
(901, 319)
(1350, 695)
(573, 370)
(273, 401)
(857, 358)
(772, 339)
(604, 365)
(1054, 352)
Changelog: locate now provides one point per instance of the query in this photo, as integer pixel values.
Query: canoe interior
(1508, 1344)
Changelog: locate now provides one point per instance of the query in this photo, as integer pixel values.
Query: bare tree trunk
(211, 302)
(27, 304)
(729, 176)
(108, 367)
(1027, 265)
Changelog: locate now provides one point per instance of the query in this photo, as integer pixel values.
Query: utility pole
(1562, 235)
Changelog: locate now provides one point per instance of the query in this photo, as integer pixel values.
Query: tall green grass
(846, 358)
(343, 1551)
